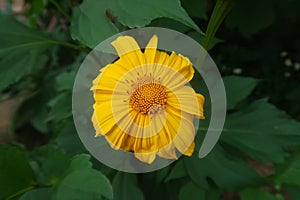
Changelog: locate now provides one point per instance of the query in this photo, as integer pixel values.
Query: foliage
(256, 49)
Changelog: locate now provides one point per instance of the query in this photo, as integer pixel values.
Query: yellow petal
(161, 58)
(96, 125)
(190, 150)
(150, 51)
(182, 65)
(106, 117)
(118, 139)
(185, 99)
(102, 95)
(103, 116)
(111, 75)
(185, 132)
(129, 51)
(200, 99)
(146, 157)
(168, 152)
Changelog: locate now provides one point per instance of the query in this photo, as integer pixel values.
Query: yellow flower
(143, 104)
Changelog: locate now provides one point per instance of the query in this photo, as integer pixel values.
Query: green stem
(221, 9)
(66, 44)
(18, 193)
(61, 9)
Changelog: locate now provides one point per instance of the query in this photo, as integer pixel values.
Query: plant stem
(70, 45)
(221, 9)
(18, 193)
(61, 9)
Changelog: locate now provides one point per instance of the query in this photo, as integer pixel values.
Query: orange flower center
(148, 98)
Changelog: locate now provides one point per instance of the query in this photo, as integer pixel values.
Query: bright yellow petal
(129, 51)
(111, 75)
(185, 99)
(102, 95)
(146, 157)
(106, 116)
(185, 131)
(118, 139)
(190, 150)
(182, 65)
(200, 99)
(150, 51)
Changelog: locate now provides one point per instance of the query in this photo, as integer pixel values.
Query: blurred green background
(257, 50)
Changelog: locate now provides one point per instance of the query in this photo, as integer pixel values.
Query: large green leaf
(22, 51)
(90, 24)
(261, 131)
(83, 182)
(225, 170)
(79, 162)
(125, 187)
(238, 88)
(138, 13)
(49, 163)
(196, 8)
(16, 174)
(43, 193)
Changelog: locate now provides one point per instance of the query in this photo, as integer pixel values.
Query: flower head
(143, 103)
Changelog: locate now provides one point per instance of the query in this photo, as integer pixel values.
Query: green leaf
(125, 187)
(16, 174)
(225, 170)
(89, 23)
(250, 194)
(196, 8)
(178, 171)
(43, 193)
(22, 51)
(68, 139)
(60, 107)
(251, 16)
(138, 13)
(91, 26)
(86, 184)
(192, 192)
(65, 80)
(83, 182)
(261, 131)
(80, 162)
(238, 88)
(170, 24)
(49, 163)
(290, 171)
